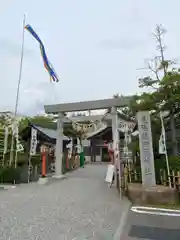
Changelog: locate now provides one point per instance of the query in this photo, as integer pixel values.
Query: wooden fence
(134, 176)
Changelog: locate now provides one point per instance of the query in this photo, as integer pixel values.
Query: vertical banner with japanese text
(146, 149)
(33, 142)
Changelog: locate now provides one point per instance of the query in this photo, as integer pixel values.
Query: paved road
(79, 207)
(152, 227)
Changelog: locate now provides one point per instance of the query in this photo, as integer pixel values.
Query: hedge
(10, 174)
(160, 164)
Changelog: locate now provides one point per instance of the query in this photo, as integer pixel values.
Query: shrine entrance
(94, 126)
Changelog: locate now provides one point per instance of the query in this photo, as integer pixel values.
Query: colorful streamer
(48, 66)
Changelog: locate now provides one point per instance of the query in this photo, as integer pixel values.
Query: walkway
(79, 207)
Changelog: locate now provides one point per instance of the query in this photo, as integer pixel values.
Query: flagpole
(17, 94)
(166, 155)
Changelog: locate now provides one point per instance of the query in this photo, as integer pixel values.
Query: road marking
(156, 211)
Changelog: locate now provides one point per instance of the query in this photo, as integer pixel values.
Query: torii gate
(60, 109)
(146, 150)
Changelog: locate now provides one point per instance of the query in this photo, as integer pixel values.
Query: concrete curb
(7, 187)
(156, 211)
(125, 204)
(49, 180)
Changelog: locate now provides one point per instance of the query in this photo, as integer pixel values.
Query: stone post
(146, 149)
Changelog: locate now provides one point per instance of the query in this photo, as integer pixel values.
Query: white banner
(146, 149)
(19, 146)
(162, 147)
(78, 147)
(33, 141)
(162, 140)
(6, 134)
(14, 128)
(15, 132)
(70, 148)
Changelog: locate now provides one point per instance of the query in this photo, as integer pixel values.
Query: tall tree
(165, 82)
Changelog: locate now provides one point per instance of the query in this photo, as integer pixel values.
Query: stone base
(58, 176)
(157, 195)
(42, 181)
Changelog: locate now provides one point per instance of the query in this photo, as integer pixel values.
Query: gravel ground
(79, 207)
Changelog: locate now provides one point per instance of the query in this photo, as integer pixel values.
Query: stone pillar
(59, 147)
(116, 143)
(146, 149)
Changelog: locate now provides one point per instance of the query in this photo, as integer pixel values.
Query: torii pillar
(59, 148)
(116, 143)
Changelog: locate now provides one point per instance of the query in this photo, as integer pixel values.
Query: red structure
(43, 154)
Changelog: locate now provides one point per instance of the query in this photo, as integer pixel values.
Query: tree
(158, 66)
(44, 121)
(164, 83)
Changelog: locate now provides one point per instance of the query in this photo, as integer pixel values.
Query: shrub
(174, 163)
(10, 174)
(160, 164)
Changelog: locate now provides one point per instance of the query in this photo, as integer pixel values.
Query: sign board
(33, 141)
(126, 126)
(110, 172)
(146, 149)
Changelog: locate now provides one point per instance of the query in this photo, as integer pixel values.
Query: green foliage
(23, 123)
(159, 164)
(50, 123)
(147, 82)
(146, 101)
(134, 145)
(10, 174)
(174, 163)
(44, 121)
(168, 94)
(164, 82)
(22, 159)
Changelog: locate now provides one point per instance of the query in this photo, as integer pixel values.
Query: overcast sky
(95, 46)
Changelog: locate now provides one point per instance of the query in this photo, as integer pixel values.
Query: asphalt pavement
(151, 227)
(77, 208)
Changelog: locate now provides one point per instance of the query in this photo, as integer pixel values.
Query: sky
(97, 47)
